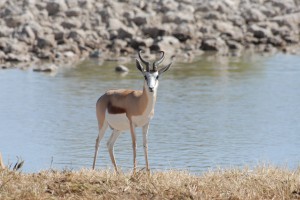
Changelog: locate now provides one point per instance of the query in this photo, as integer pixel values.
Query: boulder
(13, 21)
(36, 28)
(234, 45)
(283, 5)
(168, 5)
(86, 4)
(125, 32)
(28, 31)
(214, 15)
(71, 23)
(214, 44)
(47, 41)
(259, 32)
(184, 32)
(71, 3)
(228, 29)
(46, 68)
(77, 35)
(140, 19)
(253, 14)
(139, 43)
(154, 31)
(167, 43)
(55, 6)
(290, 20)
(11, 57)
(73, 12)
(12, 45)
(6, 31)
(121, 69)
(177, 17)
(96, 54)
(115, 24)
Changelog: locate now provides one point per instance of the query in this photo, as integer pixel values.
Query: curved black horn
(156, 63)
(144, 61)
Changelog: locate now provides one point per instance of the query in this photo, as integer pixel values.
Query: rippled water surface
(210, 113)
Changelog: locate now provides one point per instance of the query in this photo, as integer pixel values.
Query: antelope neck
(150, 96)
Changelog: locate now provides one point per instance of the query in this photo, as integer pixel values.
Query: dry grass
(259, 183)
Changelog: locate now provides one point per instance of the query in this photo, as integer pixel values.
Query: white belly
(121, 122)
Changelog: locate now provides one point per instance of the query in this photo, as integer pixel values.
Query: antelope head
(152, 75)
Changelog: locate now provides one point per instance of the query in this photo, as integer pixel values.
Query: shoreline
(261, 182)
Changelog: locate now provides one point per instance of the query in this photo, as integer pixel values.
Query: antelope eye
(145, 77)
(157, 77)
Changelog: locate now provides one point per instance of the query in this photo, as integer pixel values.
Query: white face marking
(152, 80)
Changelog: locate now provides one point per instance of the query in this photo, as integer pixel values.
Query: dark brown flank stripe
(114, 110)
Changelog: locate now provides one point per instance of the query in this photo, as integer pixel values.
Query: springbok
(123, 110)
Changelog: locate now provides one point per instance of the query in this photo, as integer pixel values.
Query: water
(211, 113)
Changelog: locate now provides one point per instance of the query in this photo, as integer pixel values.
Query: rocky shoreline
(69, 30)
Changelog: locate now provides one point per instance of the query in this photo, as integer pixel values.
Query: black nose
(150, 89)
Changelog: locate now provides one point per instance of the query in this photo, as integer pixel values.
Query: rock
(95, 54)
(41, 5)
(13, 22)
(140, 43)
(154, 31)
(290, 20)
(2, 56)
(177, 17)
(86, 4)
(71, 23)
(11, 57)
(46, 68)
(73, 12)
(225, 6)
(184, 32)
(167, 43)
(253, 15)
(46, 41)
(71, 3)
(168, 5)
(276, 41)
(8, 45)
(234, 45)
(114, 24)
(6, 31)
(140, 19)
(125, 32)
(27, 30)
(214, 44)
(121, 68)
(55, 6)
(35, 27)
(213, 15)
(292, 38)
(283, 5)
(69, 54)
(77, 35)
(259, 32)
(228, 29)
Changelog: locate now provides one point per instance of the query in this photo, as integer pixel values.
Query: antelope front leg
(145, 144)
(133, 137)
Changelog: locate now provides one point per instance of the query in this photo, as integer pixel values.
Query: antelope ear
(164, 69)
(139, 66)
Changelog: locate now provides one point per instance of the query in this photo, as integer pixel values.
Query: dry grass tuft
(260, 183)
